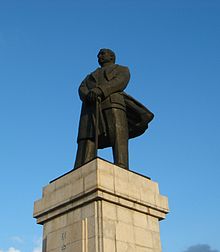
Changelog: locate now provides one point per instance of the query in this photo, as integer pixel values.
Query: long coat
(115, 80)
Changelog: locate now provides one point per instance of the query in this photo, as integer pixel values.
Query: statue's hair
(110, 52)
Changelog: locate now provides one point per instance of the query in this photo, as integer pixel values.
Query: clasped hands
(94, 94)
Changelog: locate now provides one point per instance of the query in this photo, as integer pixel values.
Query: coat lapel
(109, 72)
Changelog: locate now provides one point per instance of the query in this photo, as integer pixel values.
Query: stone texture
(101, 208)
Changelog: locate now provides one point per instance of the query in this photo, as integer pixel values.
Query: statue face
(104, 57)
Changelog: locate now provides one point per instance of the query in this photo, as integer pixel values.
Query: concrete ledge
(100, 180)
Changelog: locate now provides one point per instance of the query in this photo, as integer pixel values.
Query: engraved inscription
(63, 238)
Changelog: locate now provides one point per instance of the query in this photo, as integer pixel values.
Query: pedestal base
(101, 208)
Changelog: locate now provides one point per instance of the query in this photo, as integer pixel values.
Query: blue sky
(172, 48)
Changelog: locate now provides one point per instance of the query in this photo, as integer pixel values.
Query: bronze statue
(109, 116)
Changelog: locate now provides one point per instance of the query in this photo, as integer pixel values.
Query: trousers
(117, 135)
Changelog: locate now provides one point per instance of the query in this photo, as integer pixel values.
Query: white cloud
(38, 247)
(17, 239)
(12, 249)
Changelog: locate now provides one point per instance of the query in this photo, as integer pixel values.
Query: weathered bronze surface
(109, 116)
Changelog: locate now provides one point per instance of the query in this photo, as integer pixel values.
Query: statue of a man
(109, 117)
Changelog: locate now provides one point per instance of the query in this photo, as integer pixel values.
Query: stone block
(74, 216)
(124, 232)
(88, 210)
(125, 246)
(75, 246)
(156, 240)
(91, 222)
(143, 249)
(109, 245)
(143, 237)
(106, 177)
(139, 219)
(109, 210)
(109, 228)
(90, 181)
(77, 187)
(153, 224)
(91, 244)
(124, 215)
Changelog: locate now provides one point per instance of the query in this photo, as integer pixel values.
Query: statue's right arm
(83, 90)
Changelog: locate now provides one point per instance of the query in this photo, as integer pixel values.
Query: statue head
(106, 57)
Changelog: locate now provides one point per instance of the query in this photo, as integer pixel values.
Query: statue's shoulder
(95, 71)
(121, 68)
(91, 75)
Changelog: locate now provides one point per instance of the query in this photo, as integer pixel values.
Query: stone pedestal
(101, 208)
